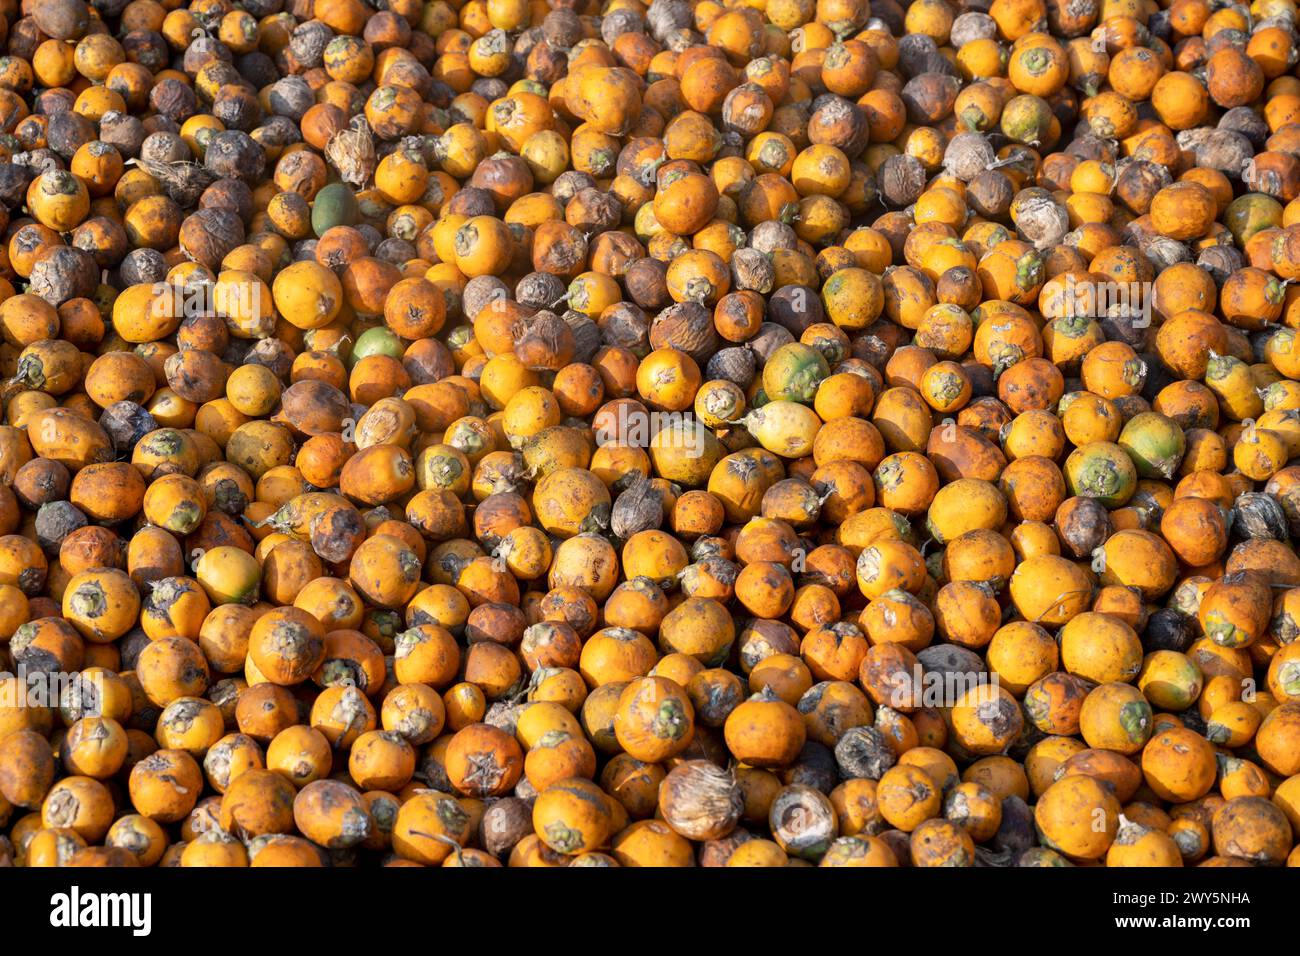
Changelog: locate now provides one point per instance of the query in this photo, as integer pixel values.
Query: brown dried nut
(1163, 253)
(14, 180)
(505, 822)
(769, 236)
(864, 753)
(310, 407)
(735, 364)
(841, 123)
(666, 17)
(769, 338)
(66, 131)
(700, 800)
(569, 184)
(539, 290)
(352, 150)
(209, 235)
(504, 177)
(1223, 149)
(752, 270)
(126, 422)
(562, 28)
(236, 105)
(795, 307)
(902, 180)
(62, 19)
(163, 146)
(233, 153)
(199, 331)
(593, 211)
(543, 62)
(968, 155)
(1083, 525)
(612, 251)
(64, 273)
(337, 533)
(1259, 515)
(929, 97)
(990, 194)
(625, 326)
(195, 375)
(687, 327)
(480, 292)
(586, 336)
(918, 53)
(559, 248)
(1039, 218)
(1137, 182)
(747, 110)
(647, 284)
(638, 508)
(184, 181)
(308, 43)
(1220, 262)
(275, 354)
(543, 341)
(24, 37)
(950, 661)
(974, 25)
(143, 266)
(1244, 120)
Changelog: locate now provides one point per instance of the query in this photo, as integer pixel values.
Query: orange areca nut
(547, 433)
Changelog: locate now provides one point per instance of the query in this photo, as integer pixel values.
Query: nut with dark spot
(505, 822)
(687, 327)
(734, 364)
(752, 270)
(864, 753)
(901, 179)
(55, 521)
(66, 272)
(540, 290)
(233, 153)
